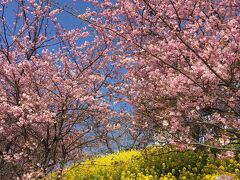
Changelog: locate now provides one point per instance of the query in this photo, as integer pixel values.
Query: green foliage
(161, 163)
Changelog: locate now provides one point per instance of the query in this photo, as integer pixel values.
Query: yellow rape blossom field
(155, 163)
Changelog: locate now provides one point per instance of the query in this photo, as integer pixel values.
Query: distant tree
(121, 135)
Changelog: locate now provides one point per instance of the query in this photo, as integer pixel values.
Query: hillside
(155, 163)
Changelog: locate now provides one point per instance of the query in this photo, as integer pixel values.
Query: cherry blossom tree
(51, 82)
(182, 58)
(56, 82)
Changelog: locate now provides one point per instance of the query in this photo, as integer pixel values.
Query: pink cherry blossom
(181, 57)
